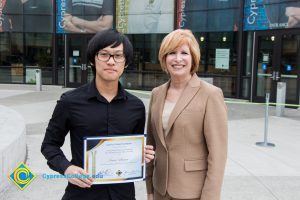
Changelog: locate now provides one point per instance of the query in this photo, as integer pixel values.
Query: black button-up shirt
(84, 112)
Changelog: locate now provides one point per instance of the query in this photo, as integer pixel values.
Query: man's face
(110, 63)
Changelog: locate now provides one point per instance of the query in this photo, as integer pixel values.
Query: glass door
(79, 70)
(266, 69)
(290, 66)
(277, 59)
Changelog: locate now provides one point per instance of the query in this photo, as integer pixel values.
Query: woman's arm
(216, 137)
(150, 141)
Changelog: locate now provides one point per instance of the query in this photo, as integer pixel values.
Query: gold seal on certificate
(116, 159)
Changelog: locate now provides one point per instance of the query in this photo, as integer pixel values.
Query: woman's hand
(149, 153)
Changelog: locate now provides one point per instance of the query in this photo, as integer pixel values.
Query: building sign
(289, 68)
(61, 12)
(81, 16)
(145, 16)
(265, 57)
(271, 14)
(222, 59)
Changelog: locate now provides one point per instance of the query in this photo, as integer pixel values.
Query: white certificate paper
(117, 159)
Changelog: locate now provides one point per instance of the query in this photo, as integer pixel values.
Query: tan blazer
(190, 160)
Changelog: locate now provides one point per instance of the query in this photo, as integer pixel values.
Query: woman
(187, 125)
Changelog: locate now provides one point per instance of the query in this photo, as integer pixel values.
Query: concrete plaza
(252, 172)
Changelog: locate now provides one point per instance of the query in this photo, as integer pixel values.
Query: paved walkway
(252, 172)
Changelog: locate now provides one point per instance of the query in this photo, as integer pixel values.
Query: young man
(99, 108)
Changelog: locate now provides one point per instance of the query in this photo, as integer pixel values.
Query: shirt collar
(92, 92)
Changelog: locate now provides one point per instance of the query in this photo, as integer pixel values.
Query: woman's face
(179, 62)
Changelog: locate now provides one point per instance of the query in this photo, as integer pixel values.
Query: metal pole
(266, 118)
(265, 142)
(38, 79)
(66, 60)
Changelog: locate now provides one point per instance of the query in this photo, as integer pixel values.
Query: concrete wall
(12, 143)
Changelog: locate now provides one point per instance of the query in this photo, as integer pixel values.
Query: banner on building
(83, 16)
(271, 14)
(26, 16)
(208, 15)
(2, 16)
(145, 16)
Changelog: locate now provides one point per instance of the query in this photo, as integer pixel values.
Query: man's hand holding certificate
(116, 159)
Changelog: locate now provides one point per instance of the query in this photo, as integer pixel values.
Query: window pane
(11, 61)
(38, 55)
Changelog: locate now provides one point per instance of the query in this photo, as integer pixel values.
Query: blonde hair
(176, 39)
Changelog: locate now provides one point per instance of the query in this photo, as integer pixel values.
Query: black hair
(107, 38)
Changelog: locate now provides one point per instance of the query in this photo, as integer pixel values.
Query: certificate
(117, 159)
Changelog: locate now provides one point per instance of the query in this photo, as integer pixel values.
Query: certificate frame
(115, 159)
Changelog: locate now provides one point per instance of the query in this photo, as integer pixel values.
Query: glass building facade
(247, 47)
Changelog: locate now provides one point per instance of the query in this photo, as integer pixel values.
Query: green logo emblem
(22, 176)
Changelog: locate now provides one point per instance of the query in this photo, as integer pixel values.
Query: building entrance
(277, 59)
(79, 70)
